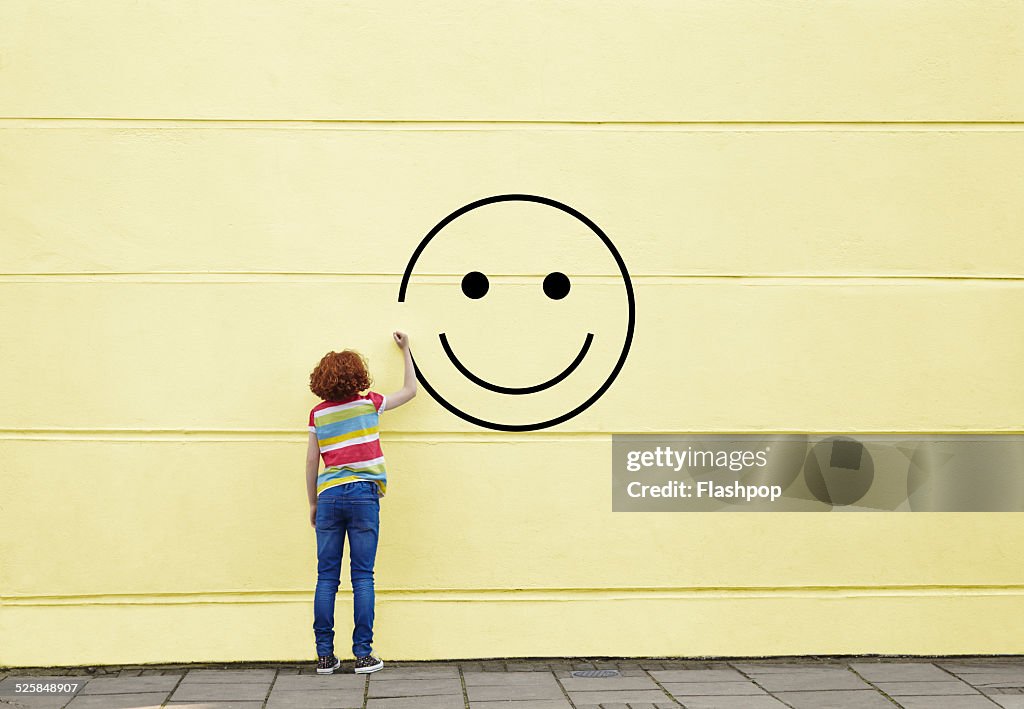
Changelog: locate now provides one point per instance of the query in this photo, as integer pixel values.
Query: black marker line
(516, 390)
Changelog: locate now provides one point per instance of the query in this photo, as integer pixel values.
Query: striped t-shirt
(347, 432)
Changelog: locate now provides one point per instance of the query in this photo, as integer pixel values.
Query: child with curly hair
(344, 498)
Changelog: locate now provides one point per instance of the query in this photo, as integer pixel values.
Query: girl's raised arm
(408, 390)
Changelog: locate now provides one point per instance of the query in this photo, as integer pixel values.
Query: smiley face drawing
(526, 352)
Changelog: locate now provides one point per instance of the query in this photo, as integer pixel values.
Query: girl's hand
(312, 515)
(401, 339)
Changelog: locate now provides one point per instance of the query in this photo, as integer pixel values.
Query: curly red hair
(340, 375)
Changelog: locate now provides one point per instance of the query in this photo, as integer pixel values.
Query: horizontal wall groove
(222, 277)
(149, 123)
(128, 435)
(534, 595)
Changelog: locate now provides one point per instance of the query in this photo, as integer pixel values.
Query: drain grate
(595, 673)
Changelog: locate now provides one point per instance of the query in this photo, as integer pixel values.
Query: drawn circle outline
(630, 322)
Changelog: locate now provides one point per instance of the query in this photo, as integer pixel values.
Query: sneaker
(327, 664)
(368, 664)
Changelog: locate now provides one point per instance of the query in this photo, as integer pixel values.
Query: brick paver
(545, 683)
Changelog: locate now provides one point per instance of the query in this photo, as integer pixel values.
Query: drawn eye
(556, 285)
(475, 285)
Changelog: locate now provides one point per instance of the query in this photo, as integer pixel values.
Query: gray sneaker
(327, 664)
(368, 664)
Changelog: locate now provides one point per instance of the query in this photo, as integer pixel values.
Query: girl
(344, 498)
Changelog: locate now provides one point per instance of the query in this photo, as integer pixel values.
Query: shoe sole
(329, 671)
(371, 668)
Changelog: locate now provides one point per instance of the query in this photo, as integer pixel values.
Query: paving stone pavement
(658, 683)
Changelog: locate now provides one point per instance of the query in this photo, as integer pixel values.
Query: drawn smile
(516, 390)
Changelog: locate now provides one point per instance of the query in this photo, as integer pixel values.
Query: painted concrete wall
(821, 207)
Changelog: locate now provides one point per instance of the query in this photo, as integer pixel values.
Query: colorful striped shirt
(347, 433)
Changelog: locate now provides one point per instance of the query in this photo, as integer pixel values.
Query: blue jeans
(352, 509)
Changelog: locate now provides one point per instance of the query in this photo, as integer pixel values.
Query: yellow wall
(821, 207)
